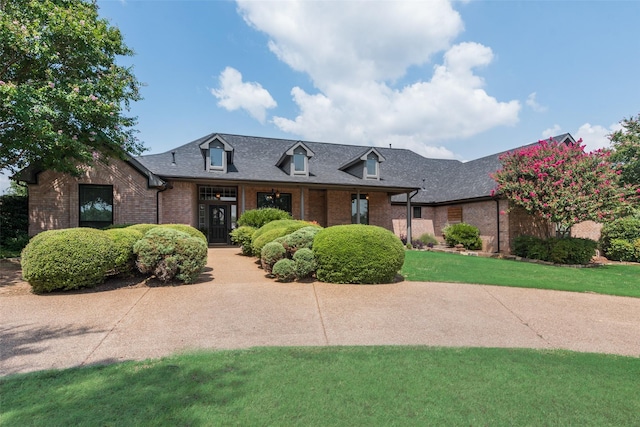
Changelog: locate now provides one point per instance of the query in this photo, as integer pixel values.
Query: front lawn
(335, 386)
(427, 266)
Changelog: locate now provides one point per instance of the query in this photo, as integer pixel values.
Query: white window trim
(226, 148)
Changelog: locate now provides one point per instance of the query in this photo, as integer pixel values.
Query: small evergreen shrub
(143, 228)
(627, 229)
(168, 253)
(14, 223)
(357, 253)
(302, 238)
(258, 217)
(428, 238)
(568, 250)
(123, 241)
(243, 236)
(305, 263)
(191, 231)
(68, 259)
(271, 253)
(284, 270)
(463, 234)
(272, 230)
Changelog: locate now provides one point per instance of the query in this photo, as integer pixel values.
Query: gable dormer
(366, 166)
(295, 161)
(218, 154)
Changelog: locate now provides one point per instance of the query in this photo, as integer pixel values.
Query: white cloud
(595, 136)
(355, 51)
(552, 131)
(235, 94)
(533, 103)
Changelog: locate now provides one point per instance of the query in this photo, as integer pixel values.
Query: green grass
(426, 266)
(335, 386)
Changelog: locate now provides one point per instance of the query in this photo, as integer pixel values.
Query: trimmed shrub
(272, 230)
(14, 222)
(168, 253)
(68, 259)
(191, 231)
(568, 250)
(259, 217)
(531, 247)
(271, 253)
(143, 228)
(428, 239)
(284, 270)
(123, 241)
(243, 236)
(627, 229)
(463, 234)
(302, 238)
(357, 253)
(305, 263)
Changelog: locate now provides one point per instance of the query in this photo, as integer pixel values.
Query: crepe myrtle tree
(626, 146)
(64, 98)
(561, 183)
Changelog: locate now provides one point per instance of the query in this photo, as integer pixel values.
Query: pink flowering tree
(563, 184)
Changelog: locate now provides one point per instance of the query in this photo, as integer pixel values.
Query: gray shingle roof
(256, 159)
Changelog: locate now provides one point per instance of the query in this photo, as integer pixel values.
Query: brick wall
(179, 204)
(419, 226)
(587, 230)
(53, 202)
(318, 207)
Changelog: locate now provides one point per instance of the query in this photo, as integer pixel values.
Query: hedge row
(83, 257)
(570, 250)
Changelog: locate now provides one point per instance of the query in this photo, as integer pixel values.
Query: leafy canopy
(63, 96)
(626, 145)
(563, 184)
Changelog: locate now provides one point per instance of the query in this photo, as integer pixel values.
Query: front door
(218, 223)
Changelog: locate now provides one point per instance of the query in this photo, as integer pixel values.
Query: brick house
(209, 182)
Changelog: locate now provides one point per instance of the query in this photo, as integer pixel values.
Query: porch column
(358, 206)
(408, 218)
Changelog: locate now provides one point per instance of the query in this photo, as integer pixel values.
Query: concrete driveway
(235, 306)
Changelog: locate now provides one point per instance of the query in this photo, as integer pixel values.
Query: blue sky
(446, 79)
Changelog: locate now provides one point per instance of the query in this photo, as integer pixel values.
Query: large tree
(626, 145)
(561, 183)
(64, 97)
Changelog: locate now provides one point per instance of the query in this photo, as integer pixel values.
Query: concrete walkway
(235, 306)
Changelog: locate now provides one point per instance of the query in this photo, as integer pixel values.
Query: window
(275, 199)
(372, 165)
(299, 161)
(216, 154)
(417, 211)
(454, 215)
(359, 209)
(96, 205)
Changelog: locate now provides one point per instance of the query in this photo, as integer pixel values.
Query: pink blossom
(2, 83)
(502, 212)
(76, 89)
(52, 85)
(74, 137)
(59, 131)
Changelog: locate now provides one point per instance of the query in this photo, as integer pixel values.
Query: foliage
(557, 250)
(14, 222)
(626, 145)
(357, 253)
(62, 91)
(143, 228)
(414, 244)
(259, 217)
(67, 259)
(168, 253)
(305, 263)
(243, 236)
(284, 270)
(463, 234)
(625, 229)
(274, 229)
(271, 253)
(191, 231)
(563, 184)
(302, 238)
(429, 239)
(17, 189)
(123, 241)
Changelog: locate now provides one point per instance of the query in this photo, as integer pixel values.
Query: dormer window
(372, 165)
(295, 161)
(218, 154)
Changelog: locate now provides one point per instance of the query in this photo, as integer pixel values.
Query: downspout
(409, 219)
(165, 187)
(498, 223)
(302, 203)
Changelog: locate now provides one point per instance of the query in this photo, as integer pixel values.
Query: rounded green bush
(243, 236)
(68, 259)
(168, 253)
(463, 234)
(274, 229)
(305, 263)
(143, 228)
(357, 254)
(284, 270)
(302, 238)
(259, 217)
(191, 231)
(271, 253)
(627, 229)
(123, 240)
